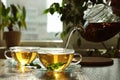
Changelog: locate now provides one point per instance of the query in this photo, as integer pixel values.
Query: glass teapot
(101, 23)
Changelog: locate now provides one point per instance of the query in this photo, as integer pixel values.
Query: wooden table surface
(111, 72)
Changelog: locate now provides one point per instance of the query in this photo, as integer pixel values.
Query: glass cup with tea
(57, 59)
(22, 55)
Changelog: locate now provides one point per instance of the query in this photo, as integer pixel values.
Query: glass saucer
(11, 65)
(73, 72)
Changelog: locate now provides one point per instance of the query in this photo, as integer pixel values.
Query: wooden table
(111, 72)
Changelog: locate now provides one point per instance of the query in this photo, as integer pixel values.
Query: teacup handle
(5, 54)
(10, 59)
(80, 59)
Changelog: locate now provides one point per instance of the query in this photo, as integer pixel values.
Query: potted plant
(12, 19)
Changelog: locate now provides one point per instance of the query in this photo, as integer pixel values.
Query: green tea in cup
(22, 55)
(56, 59)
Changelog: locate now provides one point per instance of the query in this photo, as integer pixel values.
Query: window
(37, 22)
(41, 28)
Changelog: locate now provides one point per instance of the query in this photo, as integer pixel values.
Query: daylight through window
(39, 26)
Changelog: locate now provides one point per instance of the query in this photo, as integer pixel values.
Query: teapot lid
(100, 13)
(94, 10)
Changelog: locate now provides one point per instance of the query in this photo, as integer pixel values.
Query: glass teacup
(22, 55)
(57, 59)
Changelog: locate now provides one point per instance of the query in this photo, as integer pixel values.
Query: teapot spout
(99, 32)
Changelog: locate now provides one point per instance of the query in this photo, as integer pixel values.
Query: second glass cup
(57, 59)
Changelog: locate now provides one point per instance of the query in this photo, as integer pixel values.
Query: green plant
(12, 16)
(71, 12)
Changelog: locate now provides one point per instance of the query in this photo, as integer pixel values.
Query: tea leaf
(55, 66)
